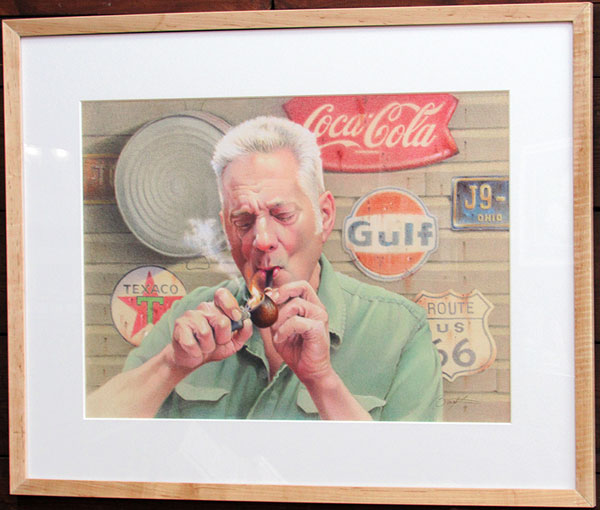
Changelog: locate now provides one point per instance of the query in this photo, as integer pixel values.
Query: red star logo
(150, 307)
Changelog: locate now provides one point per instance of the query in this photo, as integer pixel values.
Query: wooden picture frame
(577, 15)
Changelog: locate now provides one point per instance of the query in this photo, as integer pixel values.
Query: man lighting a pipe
(338, 350)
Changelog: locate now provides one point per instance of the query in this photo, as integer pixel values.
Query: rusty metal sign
(460, 331)
(99, 178)
(390, 234)
(141, 298)
(378, 133)
(480, 203)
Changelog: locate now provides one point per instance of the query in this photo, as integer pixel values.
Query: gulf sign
(390, 234)
(378, 133)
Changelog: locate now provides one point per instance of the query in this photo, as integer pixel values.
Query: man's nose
(264, 235)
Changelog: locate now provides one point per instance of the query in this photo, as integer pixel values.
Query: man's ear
(327, 208)
(222, 218)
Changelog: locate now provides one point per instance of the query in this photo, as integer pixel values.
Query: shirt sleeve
(416, 393)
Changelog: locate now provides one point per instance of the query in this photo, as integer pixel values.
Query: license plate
(480, 203)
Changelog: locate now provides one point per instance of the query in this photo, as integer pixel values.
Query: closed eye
(243, 222)
(285, 217)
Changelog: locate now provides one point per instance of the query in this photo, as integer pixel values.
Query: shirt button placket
(268, 398)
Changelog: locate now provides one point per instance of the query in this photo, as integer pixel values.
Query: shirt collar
(331, 295)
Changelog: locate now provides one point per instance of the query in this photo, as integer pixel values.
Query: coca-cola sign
(378, 133)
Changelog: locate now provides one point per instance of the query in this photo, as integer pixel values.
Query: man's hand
(301, 337)
(301, 333)
(204, 334)
(199, 336)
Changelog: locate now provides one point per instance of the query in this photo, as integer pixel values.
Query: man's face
(269, 220)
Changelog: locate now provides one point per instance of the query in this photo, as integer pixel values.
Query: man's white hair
(265, 135)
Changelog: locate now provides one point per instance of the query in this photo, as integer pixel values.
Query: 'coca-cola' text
(378, 133)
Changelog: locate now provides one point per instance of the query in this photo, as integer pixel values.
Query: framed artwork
(434, 254)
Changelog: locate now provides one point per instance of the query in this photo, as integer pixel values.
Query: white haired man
(340, 349)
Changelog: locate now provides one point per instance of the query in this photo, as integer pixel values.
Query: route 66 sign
(459, 328)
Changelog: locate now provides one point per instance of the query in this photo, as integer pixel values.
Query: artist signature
(450, 402)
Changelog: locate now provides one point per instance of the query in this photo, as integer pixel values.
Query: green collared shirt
(380, 347)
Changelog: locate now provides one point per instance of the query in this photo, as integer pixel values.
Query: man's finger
(298, 326)
(183, 335)
(300, 307)
(227, 303)
(241, 336)
(221, 326)
(203, 333)
(296, 289)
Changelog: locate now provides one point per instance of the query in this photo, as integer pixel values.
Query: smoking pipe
(262, 314)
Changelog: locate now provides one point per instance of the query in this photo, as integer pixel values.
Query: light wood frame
(580, 15)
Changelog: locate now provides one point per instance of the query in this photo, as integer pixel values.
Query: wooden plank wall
(42, 8)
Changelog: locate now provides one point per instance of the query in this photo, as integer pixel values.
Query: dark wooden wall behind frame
(42, 8)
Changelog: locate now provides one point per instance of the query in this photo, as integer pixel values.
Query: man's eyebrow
(279, 203)
(240, 212)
